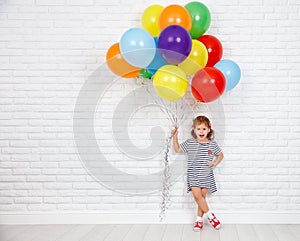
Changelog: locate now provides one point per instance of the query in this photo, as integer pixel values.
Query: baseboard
(145, 218)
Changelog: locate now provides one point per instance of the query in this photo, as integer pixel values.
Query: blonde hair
(203, 120)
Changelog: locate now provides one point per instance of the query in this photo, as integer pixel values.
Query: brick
(49, 49)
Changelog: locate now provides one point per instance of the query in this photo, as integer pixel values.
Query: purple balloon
(175, 44)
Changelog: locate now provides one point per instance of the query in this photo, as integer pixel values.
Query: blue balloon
(137, 47)
(231, 72)
(158, 60)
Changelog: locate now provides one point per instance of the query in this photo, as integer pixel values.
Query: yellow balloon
(197, 59)
(150, 19)
(170, 82)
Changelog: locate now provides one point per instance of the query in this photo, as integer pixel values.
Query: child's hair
(203, 120)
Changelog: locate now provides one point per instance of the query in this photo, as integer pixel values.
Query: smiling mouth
(201, 136)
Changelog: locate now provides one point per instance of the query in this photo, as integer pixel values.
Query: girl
(201, 150)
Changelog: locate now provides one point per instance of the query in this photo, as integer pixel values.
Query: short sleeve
(216, 149)
(184, 146)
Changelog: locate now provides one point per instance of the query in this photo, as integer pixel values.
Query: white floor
(228, 232)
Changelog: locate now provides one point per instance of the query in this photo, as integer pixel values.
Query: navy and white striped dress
(199, 174)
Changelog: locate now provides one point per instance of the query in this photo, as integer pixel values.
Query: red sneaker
(198, 226)
(214, 222)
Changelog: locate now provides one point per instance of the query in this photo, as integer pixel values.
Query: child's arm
(217, 161)
(175, 140)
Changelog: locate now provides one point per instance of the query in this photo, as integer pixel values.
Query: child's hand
(211, 164)
(175, 132)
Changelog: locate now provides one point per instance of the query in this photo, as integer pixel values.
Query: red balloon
(208, 84)
(214, 49)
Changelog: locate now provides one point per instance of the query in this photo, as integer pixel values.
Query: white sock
(209, 214)
(199, 219)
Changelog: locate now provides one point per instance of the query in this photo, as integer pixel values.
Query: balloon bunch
(170, 48)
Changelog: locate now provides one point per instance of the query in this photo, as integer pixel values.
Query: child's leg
(205, 209)
(200, 200)
(205, 205)
(199, 221)
(200, 212)
(211, 217)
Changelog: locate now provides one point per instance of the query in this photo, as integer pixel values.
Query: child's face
(201, 131)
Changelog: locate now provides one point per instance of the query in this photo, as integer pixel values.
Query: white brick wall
(49, 49)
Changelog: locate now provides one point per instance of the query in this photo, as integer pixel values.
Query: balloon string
(175, 120)
(166, 180)
(163, 107)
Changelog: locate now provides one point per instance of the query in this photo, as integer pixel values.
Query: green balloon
(145, 74)
(200, 18)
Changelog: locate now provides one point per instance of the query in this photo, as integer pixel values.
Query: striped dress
(199, 174)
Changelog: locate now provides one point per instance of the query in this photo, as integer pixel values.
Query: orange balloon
(118, 65)
(175, 15)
